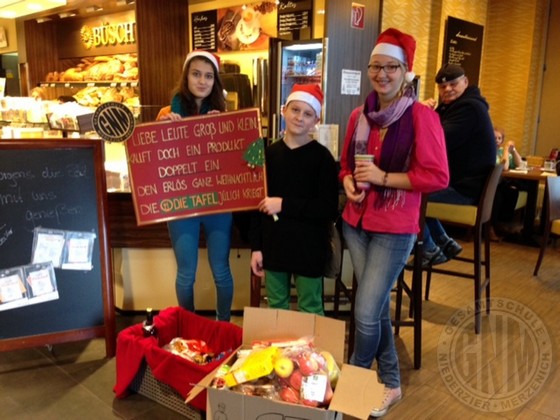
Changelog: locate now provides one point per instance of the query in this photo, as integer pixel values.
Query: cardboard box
(357, 392)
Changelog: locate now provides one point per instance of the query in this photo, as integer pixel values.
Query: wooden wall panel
(163, 42)
(41, 51)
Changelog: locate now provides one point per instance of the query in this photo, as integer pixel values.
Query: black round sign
(113, 121)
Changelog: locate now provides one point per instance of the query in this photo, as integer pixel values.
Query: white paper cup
(363, 158)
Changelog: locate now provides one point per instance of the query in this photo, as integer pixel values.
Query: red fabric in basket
(175, 371)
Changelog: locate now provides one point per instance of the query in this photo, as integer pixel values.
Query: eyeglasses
(387, 68)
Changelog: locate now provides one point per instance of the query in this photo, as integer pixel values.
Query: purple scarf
(397, 144)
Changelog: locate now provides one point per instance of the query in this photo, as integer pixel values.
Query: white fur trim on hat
(308, 98)
(206, 54)
(391, 50)
(409, 76)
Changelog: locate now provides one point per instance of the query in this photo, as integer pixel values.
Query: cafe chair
(413, 290)
(552, 218)
(477, 218)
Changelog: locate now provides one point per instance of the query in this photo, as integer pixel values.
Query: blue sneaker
(451, 249)
(434, 257)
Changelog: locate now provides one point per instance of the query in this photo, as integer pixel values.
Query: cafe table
(533, 177)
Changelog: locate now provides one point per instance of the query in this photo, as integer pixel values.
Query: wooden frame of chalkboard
(56, 184)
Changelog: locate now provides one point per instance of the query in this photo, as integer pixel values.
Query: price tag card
(13, 292)
(48, 245)
(42, 282)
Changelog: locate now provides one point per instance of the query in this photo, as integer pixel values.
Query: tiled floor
(76, 381)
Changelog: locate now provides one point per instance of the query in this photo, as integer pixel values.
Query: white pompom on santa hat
(311, 94)
(398, 45)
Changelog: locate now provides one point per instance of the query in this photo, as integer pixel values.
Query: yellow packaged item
(258, 364)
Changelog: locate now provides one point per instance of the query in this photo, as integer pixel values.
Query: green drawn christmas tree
(254, 155)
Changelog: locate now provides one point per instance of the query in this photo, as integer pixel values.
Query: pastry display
(117, 68)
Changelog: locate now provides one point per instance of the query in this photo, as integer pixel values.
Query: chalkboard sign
(295, 19)
(203, 30)
(463, 46)
(57, 185)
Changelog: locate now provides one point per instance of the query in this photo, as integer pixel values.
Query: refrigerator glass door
(301, 63)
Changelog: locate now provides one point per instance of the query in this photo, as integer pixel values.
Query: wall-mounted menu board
(463, 46)
(54, 186)
(295, 19)
(203, 28)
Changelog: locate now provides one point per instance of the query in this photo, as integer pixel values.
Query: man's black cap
(449, 72)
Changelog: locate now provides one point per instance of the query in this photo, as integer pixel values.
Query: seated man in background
(471, 154)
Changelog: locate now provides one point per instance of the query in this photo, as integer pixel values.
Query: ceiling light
(43, 19)
(34, 7)
(11, 9)
(64, 15)
(94, 8)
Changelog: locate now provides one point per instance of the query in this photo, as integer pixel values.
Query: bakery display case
(96, 80)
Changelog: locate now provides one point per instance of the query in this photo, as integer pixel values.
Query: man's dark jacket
(469, 136)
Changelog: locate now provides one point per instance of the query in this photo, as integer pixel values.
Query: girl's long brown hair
(214, 101)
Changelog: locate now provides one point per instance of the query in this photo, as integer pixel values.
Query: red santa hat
(214, 59)
(311, 94)
(398, 45)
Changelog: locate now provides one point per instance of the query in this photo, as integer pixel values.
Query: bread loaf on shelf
(118, 68)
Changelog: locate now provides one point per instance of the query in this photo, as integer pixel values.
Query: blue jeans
(185, 234)
(434, 233)
(378, 259)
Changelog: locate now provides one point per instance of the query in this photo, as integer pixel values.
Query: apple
(332, 367)
(289, 394)
(308, 365)
(310, 403)
(295, 379)
(283, 366)
(328, 394)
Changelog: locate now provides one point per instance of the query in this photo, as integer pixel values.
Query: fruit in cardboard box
(332, 367)
(283, 366)
(289, 394)
(310, 403)
(308, 363)
(295, 379)
(328, 394)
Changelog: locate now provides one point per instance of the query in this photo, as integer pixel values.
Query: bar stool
(476, 218)
(413, 291)
(552, 207)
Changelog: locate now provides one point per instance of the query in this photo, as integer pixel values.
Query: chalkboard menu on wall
(295, 19)
(59, 186)
(463, 46)
(204, 26)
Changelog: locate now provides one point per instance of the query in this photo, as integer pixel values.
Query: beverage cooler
(293, 62)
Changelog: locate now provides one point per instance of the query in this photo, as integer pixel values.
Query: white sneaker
(390, 397)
